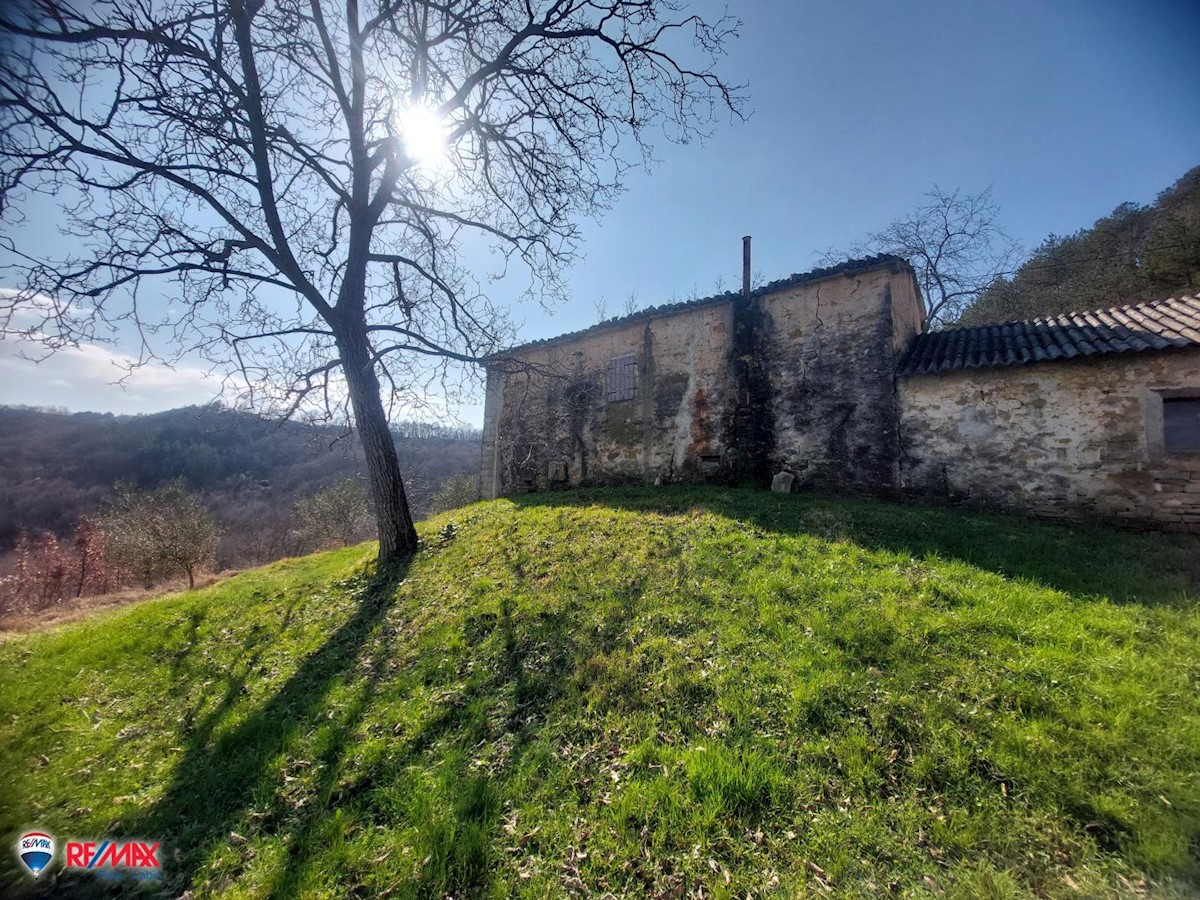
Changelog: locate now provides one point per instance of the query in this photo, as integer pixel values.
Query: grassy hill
(665, 693)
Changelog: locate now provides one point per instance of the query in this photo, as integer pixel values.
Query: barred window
(622, 378)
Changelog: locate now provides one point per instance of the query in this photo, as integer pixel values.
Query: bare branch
(238, 180)
(955, 245)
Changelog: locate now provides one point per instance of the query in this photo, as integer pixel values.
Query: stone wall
(549, 422)
(1077, 439)
(798, 376)
(831, 348)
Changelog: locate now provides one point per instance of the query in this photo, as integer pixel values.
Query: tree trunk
(397, 535)
(191, 578)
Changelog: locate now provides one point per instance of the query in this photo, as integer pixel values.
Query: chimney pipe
(746, 266)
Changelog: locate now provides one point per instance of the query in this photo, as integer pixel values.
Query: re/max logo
(112, 855)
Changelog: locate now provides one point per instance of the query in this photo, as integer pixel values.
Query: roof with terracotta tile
(1153, 325)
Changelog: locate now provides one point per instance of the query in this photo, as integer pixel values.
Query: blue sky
(1065, 108)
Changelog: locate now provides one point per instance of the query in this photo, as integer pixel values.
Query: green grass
(668, 693)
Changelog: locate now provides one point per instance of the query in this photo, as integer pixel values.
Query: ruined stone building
(829, 376)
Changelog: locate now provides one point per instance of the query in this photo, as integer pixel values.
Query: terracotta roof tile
(1154, 325)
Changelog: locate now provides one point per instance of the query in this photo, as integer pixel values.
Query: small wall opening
(1181, 425)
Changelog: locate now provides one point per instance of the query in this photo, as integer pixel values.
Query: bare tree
(153, 532)
(306, 177)
(456, 491)
(955, 245)
(91, 558)
(40, 576)
(339, 512)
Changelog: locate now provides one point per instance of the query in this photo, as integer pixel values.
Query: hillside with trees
(249, 471)
(1136, 253)
(971, 271)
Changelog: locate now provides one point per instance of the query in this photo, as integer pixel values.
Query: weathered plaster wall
(729, 390)
(908, 313)
(830, 349)
(800, 378)
(1074, 438)
(554, 424)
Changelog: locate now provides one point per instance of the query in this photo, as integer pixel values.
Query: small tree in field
(92, 571)
(456, 491)
(339, 512)
(41, 571)
(155, 532)
(18, 585)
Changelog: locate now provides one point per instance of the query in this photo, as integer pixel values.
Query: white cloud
(30, 310)
(86, 378)
(97, 378)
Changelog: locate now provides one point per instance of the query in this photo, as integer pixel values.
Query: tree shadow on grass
(227, 774)
(524, 666)
(1082, 560)
(218, 779)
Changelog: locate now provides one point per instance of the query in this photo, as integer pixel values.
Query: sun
(423, 134)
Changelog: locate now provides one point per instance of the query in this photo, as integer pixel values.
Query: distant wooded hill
(56, 467)
(1136, 253)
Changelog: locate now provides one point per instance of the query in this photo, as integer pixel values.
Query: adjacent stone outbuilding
(1083, 414)
(827, 377)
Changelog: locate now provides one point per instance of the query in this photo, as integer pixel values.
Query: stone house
(830, 377)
